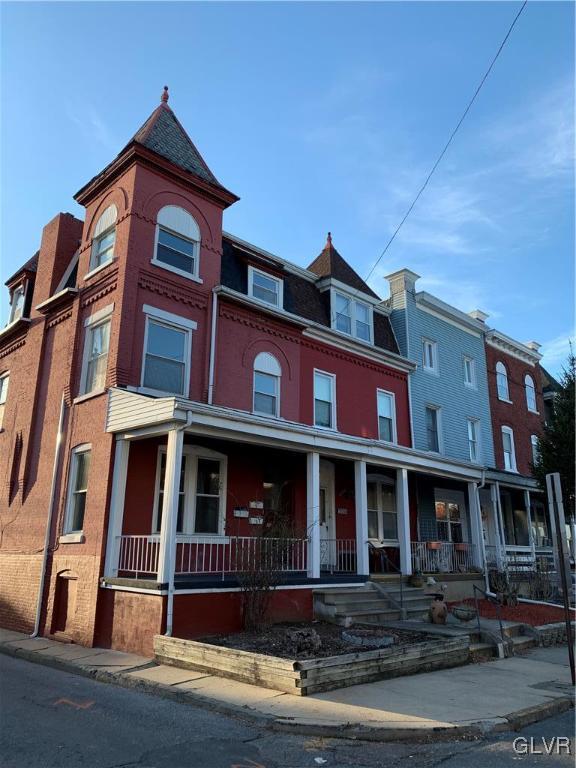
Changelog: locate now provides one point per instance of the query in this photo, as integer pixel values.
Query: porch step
(482, 651)
(369, 604)
(523, 642)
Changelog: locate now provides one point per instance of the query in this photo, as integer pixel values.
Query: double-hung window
(177, 242)
(469, 372)
(352, 317)
(474, 439)
(432, 429)
(382, 511)
(160, 492)
(96, 345)
(430, 356)
(267, 376)
(17, 303)
(265, 287)
(324, 400)
(77, 489)
(4, 380)
(530, 393)
(167, 352)
(386, 416)
(502, 382)
(104, 238)
(508, 449)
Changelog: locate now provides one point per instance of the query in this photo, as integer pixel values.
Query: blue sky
(323, 116)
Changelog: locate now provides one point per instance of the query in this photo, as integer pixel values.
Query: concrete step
(360, 617)
(523, 643)
(335, 599)
(482, 651)
(359, 605)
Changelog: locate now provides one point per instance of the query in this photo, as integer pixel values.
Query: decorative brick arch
(265, 345)
(159, 200)
(118, 197)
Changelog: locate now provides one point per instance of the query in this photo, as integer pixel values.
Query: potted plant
(461, 546)
(433, 544)
(416, 579)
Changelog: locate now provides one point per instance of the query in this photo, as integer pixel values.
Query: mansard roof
(329, 263)
(30, 266)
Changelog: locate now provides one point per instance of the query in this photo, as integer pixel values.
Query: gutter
(50, 518)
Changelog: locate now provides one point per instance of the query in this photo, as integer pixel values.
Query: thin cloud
(555, 351)
(94, 128)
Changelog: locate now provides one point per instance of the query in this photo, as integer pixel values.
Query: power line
(452, 135)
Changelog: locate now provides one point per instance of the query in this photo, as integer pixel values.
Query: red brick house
(169, 391)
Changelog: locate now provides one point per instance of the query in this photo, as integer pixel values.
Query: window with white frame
(502, 381)
(77, 489)
(104, 238)
(96, 345)
(530, 393)
(430, 356)
(508, 449)
(177, 246)
(474, 439)
(352, 317)
(469, 372)
(433, 428)
(167, 352)
(535, 448)
(386, 416)
(265, 287)
(267, 377)
(201, 492)
(17, 303)
(382, 511)
(324, 400)
(4, 381)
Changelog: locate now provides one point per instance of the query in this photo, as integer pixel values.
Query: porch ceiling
(132, 415)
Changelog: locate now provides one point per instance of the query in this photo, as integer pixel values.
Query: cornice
(510, 347)
(172, 290)
(13, 347)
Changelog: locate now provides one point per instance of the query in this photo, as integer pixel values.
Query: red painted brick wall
(515, 414)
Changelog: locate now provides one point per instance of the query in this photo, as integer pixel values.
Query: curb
(514, 721)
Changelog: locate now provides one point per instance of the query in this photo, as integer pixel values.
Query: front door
(327, 516)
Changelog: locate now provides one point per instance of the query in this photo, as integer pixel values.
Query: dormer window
(177, 242)
(104, 238)
(352, 317)
(265, 287)
(17, 303)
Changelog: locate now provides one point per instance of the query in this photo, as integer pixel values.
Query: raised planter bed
(306, 676)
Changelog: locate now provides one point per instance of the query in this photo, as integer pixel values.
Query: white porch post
(529, 524)
(116, 515)
(166, 555)
(313, 513)
(361, 503)
(403, 514)
(476, 532)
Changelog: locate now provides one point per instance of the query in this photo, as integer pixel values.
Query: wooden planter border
(301, 678)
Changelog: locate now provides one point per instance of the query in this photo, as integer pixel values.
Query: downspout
(212, 346)
(170, 600)
(51, 501)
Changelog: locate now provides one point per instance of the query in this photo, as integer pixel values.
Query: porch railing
(338, 555)
(138, 555)
(442, 557)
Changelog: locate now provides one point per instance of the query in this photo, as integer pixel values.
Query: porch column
(116, 515)
(313, 513)
(166, 555)
(502, 557)
(361, 503)
(476, 533)
(403, 514)
(529, 524)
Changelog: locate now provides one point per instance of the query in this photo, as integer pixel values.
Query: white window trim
(435, 370)
(332, 377)
(454, 497)
(438, 410)
(195, 277)
(96, 319)
(502, 399)
(381, 482)
(99, 268)
(180, 323)
(84, 448)
(535, 444)
(394, 432)
(24, 286)
(5, 375)
(478, 425)
(472, 383)
(275, 415)
(509, 431)
(193, 453)
(531, 410)
(278, 280)
(353, 300)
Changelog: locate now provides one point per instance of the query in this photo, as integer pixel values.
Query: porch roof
(512, 480)
(132, 415)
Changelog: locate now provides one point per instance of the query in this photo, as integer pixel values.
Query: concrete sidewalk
(499, 695)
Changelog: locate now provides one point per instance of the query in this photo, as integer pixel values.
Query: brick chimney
(60, 240)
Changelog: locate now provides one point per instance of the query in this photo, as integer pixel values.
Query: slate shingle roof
(30, 266)
(329, 263)
(549, 383)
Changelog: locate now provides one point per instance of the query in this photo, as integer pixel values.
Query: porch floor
(230, 581)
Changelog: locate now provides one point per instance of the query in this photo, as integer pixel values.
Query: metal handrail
(383, 554)
(496, 602)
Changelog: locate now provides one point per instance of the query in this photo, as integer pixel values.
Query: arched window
(267, 374)
(530, 393)
(177, 242)
(502, 381)
(104, 238)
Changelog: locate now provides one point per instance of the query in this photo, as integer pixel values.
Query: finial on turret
(329, 240)
(164, 97)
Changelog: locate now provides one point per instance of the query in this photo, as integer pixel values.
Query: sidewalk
(498, 695)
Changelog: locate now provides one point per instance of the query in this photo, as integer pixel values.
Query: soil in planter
(274, 641)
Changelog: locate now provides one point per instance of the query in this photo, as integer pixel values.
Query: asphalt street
(53, 719)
